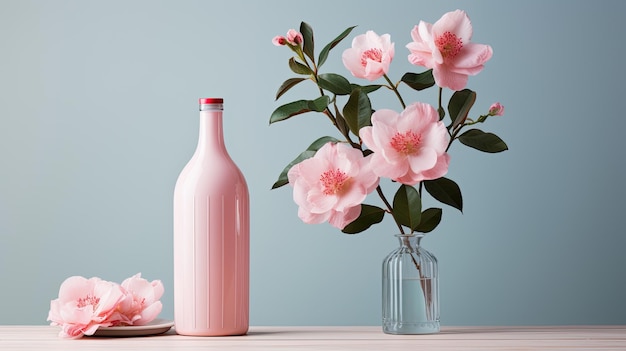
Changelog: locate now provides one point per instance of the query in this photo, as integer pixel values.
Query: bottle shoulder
(211, 174)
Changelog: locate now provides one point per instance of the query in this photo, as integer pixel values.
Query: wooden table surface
(334, 338)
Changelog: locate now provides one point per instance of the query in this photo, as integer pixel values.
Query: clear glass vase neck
(410, 240)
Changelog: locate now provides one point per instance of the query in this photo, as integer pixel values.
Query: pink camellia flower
(496, 109)
(84, 305)
(331, 185)
(446, 48)
(408, 147)
(141, 304)
(370, 55)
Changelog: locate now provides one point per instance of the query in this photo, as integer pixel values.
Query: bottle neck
(410, 240)
(211, 135)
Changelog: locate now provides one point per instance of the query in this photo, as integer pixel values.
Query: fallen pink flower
(84, 305)
(141, 304)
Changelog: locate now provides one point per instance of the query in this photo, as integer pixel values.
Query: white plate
(157, 326)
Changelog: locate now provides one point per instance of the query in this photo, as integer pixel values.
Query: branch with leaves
(355, 115)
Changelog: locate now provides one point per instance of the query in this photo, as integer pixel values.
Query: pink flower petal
(139, 287)
(471, 59)
(158, 289)
(341, 219)
(352, 61)
(149, 313)
(312, 218)
(416, 117)
(74, 288)
(321, 203)
(422, 161)
(354, 196)
(90, 330)
(450, 79)
(455, 22)
(74, 315)
(392, 170)
(110, 294)
(440, 169)
(365, 134)
(310, 169)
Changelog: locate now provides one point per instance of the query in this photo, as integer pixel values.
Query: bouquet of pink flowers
(84, 305)
(332, 178)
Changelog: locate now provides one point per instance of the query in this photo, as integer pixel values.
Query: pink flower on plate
(496, 109)
(84, 305)
(141, 304)
(408, 147)
(446, 48)
(331, 185)
(370, 55)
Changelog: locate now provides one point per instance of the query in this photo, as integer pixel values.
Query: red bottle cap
(206, 101)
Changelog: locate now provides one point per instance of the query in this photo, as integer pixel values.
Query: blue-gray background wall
(98, 114)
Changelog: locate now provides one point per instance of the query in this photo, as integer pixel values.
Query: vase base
(411, 328)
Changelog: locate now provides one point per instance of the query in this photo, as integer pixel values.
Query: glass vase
(410, 289)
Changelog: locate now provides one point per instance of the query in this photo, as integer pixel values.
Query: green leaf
(299, 107)
(289, 110)
(366, 88)
(298, 68)
(324, 53)
(282, 178)
(369, 216)
(419, 81)
(341, 122)
(407, 206)
(334, 83)
(486, 142)
(430, 220)
(320, 104)
(441, 112)
(459, 106)
(446, 191)
(288, 84)
(317, 144)
(358, 111)
(309, 152)
(309, 45)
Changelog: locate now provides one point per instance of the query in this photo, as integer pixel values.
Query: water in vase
(410, 308)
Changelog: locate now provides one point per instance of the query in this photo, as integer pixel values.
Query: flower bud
(279, 40)
(496, 109)
(294, 37)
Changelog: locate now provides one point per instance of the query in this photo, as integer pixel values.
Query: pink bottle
(211, 236)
